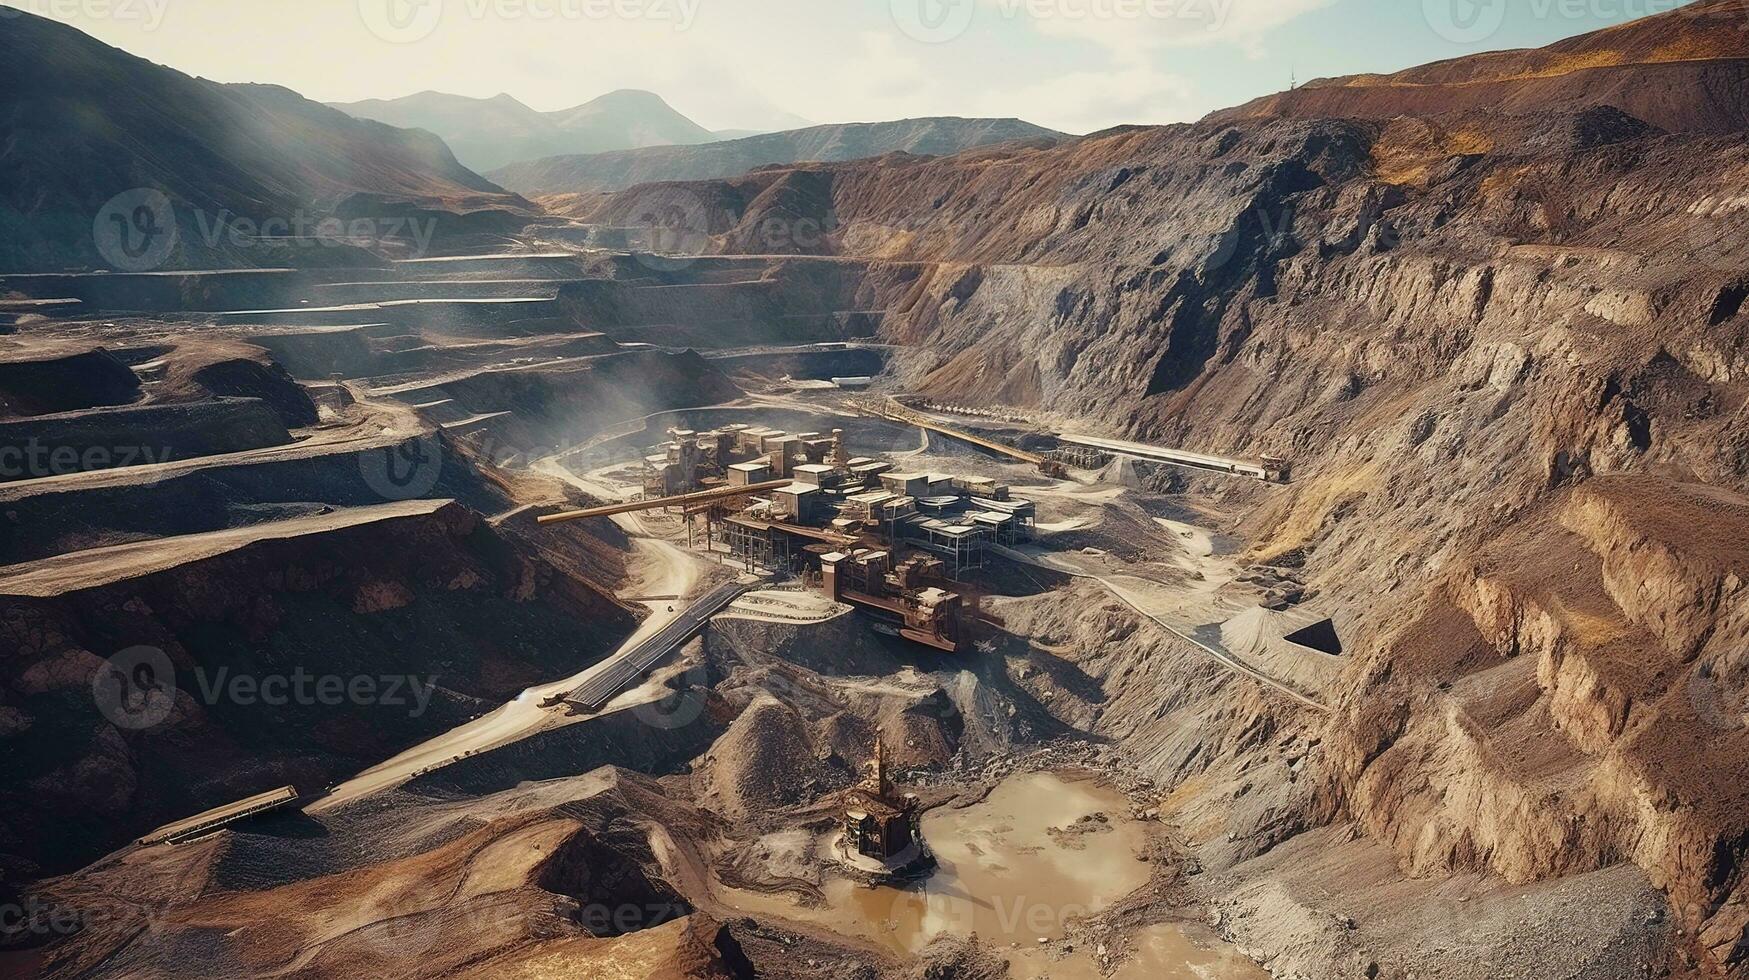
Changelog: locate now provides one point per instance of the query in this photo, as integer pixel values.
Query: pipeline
(702, 496)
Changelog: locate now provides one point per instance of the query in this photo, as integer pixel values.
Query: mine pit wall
(807, 365)
(45, 386)
(173, 292)
(1432, 384)
(781, 302)
(42, 521)
(321, 354)
(102, 439)
(380, 351)
(1642, 761)
(624, 739)
(428, 596)
(564, 406)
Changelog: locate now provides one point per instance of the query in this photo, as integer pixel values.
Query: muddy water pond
(1040, 851)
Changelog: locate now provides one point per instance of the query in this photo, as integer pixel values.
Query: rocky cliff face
(1504, 350)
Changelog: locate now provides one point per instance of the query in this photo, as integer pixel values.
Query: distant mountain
(85, 122)
(490, 133)
(607, 172)
(1684, 72)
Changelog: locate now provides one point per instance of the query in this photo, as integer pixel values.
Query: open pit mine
(1312, 542)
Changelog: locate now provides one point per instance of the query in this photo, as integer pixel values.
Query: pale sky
(1074, 65)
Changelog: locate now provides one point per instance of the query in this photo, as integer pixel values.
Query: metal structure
(683, 500)
(632, 665)
(212, 821)
(892, 411)
(925, 613)
(1270, 469)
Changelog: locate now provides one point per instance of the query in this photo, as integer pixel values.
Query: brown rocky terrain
(435, 594)
(1683, 73)
(1490, 311)
(1488, 338)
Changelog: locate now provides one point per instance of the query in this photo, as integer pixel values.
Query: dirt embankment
(444, 616)
(1579, 699)
(50, 383)
(80, 442)
(562, 877)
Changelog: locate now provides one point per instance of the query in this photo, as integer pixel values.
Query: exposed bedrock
(1456, 334)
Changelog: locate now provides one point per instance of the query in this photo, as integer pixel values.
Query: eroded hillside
(1505, 338)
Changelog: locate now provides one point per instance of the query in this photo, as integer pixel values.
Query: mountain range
(489, 133)
(86, 123)
(607, 172)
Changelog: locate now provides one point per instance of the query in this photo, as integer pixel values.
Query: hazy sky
(1076, 65)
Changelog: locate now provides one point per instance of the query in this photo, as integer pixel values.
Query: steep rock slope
(88, 122)
(848, 141)
(1461, 325)
(490, 133)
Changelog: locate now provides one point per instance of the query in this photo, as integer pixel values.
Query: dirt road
(657, 568)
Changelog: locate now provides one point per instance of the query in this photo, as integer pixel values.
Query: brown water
(1011, 875)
